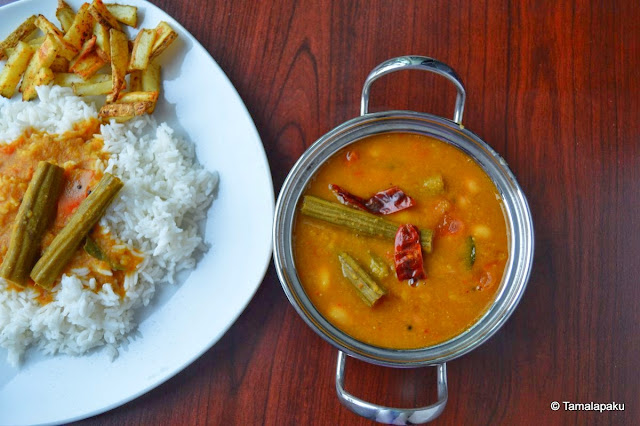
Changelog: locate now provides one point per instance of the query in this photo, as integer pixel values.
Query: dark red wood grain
(554, 88)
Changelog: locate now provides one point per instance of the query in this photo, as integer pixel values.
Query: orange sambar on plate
(452, 196)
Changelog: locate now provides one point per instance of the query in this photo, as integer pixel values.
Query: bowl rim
(517, 216)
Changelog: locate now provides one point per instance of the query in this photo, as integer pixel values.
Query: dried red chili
(408, 254)
(389, 201)
(345, 197)
(384, 202)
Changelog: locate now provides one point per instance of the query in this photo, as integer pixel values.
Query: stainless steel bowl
(517, 216)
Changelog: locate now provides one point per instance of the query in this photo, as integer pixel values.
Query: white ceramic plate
(183, 322)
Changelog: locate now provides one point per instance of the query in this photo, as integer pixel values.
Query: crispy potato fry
(151, 97)
(42, 58)
(165, 35)
(101, 14)
(48, 27)
(119, 61)
(88, 65)
(36, 42)
(80, 30)
(66, 50)
(59, 64)
(131, 97)
(87, 47)
(68, 79)
(14, 68)
(142, 50)
(43, 77)
(102, 39)
(47, 51)
(151, 80)
(93, 89)
(88, 61)
(124, 109)
(99, 78)
(33, 42)
(126, 14)
(37, 34)
(65, 15)
(135, 81)
(23, 31)
(140, 108)
(103, 55)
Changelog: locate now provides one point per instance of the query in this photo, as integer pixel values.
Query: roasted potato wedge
(66, 50)
(124, 109)
(93, 89)
(88, 65)
(126, 14)
(102, 39)
(14, 68)
(43, 77)
(81, 28)
(103, 55)
(47, 51)
(151, 78)
(131, 97)
(101, 14)
(65, 15)
(151, 81)
(21, 33)
(88, 46)
(135, 81)
(42, 58)
(59, 65)
(88, 61)
(36, 42)
(165, 35)
(142, 50)
(68, 79)
(119, 61)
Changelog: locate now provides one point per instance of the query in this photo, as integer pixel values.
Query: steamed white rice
(166, 194)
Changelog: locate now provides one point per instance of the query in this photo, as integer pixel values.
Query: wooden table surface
(554, 88)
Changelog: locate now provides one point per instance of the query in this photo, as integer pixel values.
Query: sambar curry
(101, 259)
(400, 241)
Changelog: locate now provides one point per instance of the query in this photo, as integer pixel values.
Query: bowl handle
(415, 63)
(396, 416)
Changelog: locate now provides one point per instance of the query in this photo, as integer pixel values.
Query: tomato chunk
(77, 188)
(449, 225)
